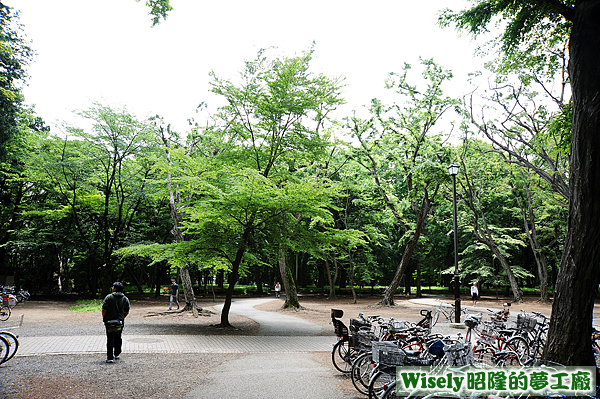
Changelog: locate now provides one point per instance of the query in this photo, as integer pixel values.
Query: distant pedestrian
(277, 289)
(174, 294)
(474, 294)
(115, 308)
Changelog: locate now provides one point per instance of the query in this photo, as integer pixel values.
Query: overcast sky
(107, 51)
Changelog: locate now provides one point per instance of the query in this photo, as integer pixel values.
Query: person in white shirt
(474, 294)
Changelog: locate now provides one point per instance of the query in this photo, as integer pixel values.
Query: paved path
(272, 323)
(276, 332)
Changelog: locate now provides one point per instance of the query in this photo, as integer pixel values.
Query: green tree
(486, 192)
(158, 9)
(405, 158)
(569, 335)
(15, 55)
(100, 177)
(272, 127)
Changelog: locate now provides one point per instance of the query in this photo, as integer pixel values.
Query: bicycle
(342, 354)
(533, 331)
(4, 312)
(12, 344)
(448, 310)
(500, 347)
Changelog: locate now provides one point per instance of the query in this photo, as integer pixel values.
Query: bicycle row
(371, 348)
(9, 298)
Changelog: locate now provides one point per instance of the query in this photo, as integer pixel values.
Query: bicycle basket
(459, 354)
(363, 340)
(526, 323)
(382, 346)
(397, 326)
(357, 324)
(394, 357)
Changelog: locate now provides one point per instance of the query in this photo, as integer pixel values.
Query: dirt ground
(153, 376)
(151, 316)
(318, 309)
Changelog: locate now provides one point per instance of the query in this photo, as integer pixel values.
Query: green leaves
(277, 112)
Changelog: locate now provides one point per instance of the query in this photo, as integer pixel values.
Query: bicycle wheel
(390, 392)
(3, 349)
(380, 382)
(361, 372)
(484, 353)
(596, 350)
(4, 313)
(518, 351)
(13, 343)
(342, 356)
(435, 318)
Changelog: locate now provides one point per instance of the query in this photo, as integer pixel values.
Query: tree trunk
(491, 244)
(291, 296)
(331, 283)
(177, 218)
(188, 288)
(538, 251)
(235, 272)
(388, 296)
(419, 293)
(351, 275)
(570, 331)
(336, 276)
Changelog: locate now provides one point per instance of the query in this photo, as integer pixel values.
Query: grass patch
(87, 305)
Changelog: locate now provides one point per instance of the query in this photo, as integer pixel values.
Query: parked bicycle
(500, 347)
(9, 342)
(448, 311)
(4, 312)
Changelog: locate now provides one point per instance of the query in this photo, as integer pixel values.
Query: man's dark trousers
(113, 342)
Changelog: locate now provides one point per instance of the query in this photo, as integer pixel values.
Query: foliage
(158, 9)
(15, 55)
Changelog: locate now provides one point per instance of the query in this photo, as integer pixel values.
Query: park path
(275, 335)
(279, 362)
(273, 323)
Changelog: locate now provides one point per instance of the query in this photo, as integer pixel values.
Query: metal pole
(456, 275)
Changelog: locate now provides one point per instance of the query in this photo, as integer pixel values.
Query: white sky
(106, 51)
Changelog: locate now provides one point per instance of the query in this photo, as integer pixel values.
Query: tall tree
(569, 335)
(400, 150)
(100, 175)
(486, 190)
(15, 55)
(272, 126)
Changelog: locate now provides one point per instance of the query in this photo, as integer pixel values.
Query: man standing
(174, 294)
(115, 308)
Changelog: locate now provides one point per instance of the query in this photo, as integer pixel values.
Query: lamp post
(453, 170)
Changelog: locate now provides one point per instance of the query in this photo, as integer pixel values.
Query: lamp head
(453, 169)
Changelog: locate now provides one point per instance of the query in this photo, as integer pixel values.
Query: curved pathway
(279, 362)
(273, 323)
(274, 336)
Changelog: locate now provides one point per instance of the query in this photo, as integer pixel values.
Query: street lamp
(453, 170)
